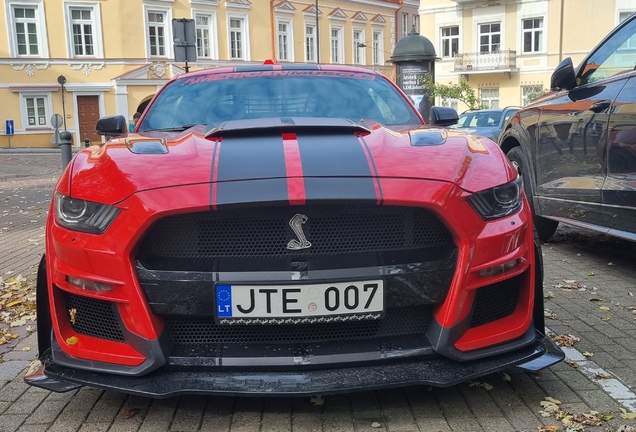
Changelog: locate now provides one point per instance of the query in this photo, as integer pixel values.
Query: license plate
(342, 301)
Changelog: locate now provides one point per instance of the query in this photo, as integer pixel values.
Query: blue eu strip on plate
(224, 301)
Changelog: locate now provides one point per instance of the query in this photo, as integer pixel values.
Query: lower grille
(495, 301)
(397, 322)
(91, 317)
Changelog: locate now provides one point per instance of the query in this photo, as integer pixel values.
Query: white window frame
(96, 18)
(377, 47)
(245, 31)
(443, 38)
(313, 43)
(533, 33)
(479, 34)
(167, 32)
(416, 22)
(357, 50)
(48, 109)
(490, 100)
(338, 44)
(212, 29)
(289, 33)
(405, 24)
(38, 5)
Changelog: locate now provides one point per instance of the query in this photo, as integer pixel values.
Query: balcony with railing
(486, 62)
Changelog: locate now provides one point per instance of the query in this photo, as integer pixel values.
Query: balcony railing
(499, 61)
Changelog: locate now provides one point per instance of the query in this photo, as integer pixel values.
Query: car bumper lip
(438, 371)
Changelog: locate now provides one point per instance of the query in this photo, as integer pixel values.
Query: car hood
(112, 172)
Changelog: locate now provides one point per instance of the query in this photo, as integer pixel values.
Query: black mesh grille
(91, 317)
(495, 301)
(398, 321)
(266, 232)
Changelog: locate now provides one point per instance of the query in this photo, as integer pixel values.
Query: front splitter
(439, 372)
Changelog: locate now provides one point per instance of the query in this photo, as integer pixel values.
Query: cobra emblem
(296, 224)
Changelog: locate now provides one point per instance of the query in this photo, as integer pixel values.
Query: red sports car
(290, 229)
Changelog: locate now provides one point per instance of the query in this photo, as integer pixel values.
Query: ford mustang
(291, 229)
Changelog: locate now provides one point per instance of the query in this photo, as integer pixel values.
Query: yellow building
(113, 55)
(507, 50)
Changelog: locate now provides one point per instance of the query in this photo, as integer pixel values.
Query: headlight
(499, 201)
(85, 216)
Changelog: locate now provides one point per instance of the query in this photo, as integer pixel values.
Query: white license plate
(299, 303)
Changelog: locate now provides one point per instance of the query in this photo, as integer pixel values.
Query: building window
(285, 44)
(36, 110)
(405, 24)
(237, 38)
(202, 23)
(530, 93)
(336, 45)
(631, 42)
(378, 53)
(157, 33)
(532, 35)
(27, 36)
(450, 41)
(416, 23)
(83, 29)
(358, 46)
(489, 37)
(452, 103)
(310, 42)
(489, 97)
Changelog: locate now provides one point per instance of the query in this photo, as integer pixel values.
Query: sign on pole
(56, 122)
(185, 40)
(9, 127)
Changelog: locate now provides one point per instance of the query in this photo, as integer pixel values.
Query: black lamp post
(62, 80)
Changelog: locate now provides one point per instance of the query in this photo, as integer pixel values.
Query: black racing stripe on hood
(341, 158)
(252, 191)
(341, 188)
(244, 158)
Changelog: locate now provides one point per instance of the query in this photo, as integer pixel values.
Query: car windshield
(479, 119)
(215, 98)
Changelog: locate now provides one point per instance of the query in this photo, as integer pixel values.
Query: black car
(576, 146)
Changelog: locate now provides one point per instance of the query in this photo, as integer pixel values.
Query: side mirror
(112, 126)
(563, 77)
(443, 116)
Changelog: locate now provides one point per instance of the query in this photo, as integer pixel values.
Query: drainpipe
(273, 32)
(561, 35)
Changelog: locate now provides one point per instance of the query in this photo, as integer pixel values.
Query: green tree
(462, 91)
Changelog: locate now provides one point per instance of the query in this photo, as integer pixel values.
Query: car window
(479, 119)
(617, 55)
(509, 114)
(213, 99)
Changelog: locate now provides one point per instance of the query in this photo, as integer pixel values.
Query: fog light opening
(498, 269)
(88, 284)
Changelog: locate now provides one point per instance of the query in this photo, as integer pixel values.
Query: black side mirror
(443, 116)
(112, 126)
(563, 77)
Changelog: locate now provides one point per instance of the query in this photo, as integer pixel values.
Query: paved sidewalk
(576, 263)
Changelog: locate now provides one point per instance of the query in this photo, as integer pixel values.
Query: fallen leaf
(127, 413)
(604, 308)
(72, 340)
(588, 354)
(572, 363)
(611, 264)
(627, 415)
(317, 400)
(595, 299)
(376, 425)
(569, 281)
(505, 377)
(602, 376)
(606, 318)
(548, 295)
(26, 349)
(591, 273)
(551, 399)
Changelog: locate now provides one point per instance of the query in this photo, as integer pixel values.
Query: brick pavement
(512, 405)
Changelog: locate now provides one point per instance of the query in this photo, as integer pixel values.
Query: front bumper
(162, 383)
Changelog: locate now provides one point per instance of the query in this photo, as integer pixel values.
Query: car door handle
(601, 105)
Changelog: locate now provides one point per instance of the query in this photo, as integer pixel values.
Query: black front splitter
(439, 372)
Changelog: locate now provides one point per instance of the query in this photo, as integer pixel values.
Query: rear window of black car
(213, 99)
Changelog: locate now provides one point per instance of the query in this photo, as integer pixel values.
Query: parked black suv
(576, 146)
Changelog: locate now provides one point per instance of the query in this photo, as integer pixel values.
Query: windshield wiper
(173, 129)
